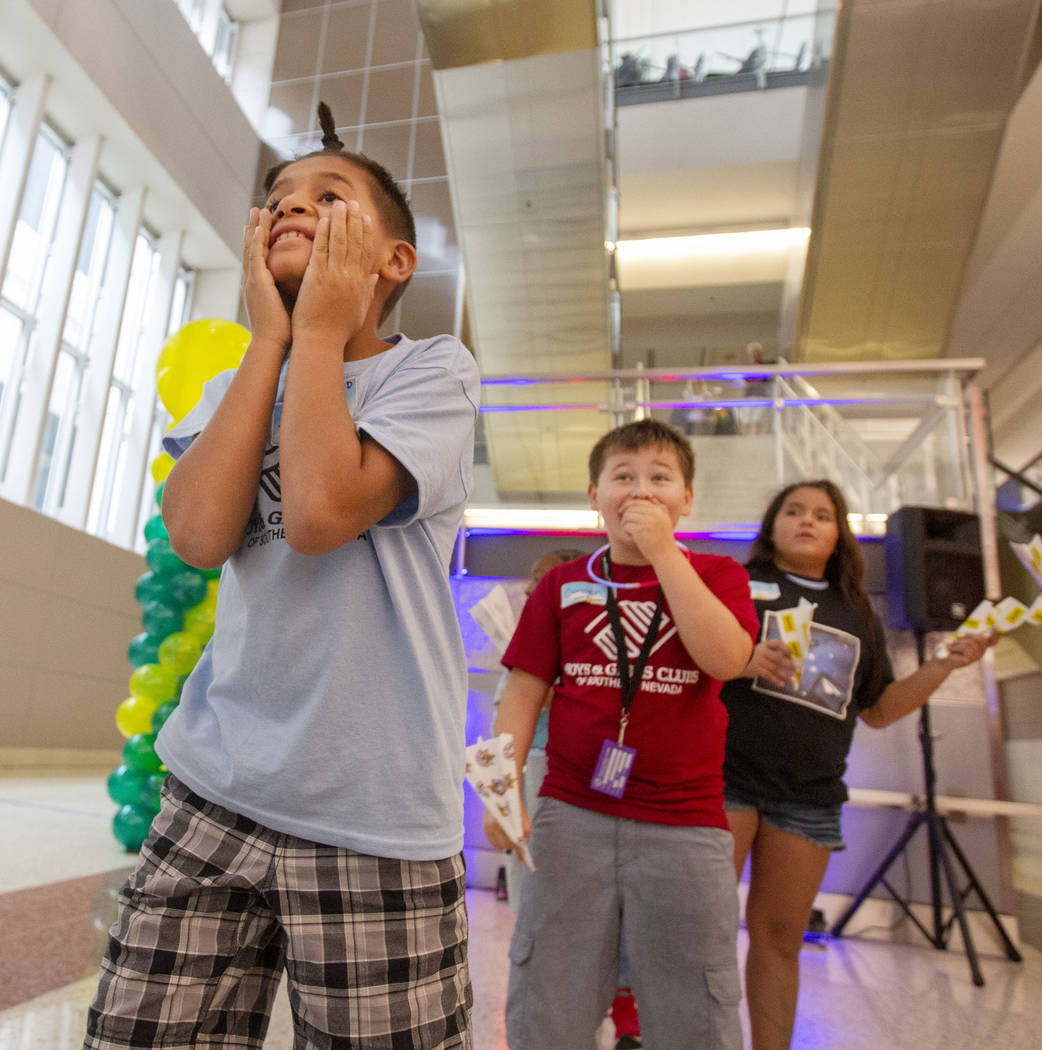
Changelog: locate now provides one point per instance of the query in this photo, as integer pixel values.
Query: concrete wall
(67, 613)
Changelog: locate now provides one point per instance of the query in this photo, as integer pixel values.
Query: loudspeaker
(934, 570)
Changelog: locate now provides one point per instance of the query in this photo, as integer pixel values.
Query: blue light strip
(741, 531)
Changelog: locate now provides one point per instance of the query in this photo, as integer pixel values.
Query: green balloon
(130, 825)
(153, 682)
(211, 574)
(150, 587)
(149, 792)
(159, 493)
(159, 619)
(143, 649)
(139, 753)
(186, 588)
(161, 558)
(155, 529)
(125, 784)
(162, 713)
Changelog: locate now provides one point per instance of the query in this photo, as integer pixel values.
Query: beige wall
(67, 613)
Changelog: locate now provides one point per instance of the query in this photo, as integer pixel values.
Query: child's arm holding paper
(519, 709)
(772, 661)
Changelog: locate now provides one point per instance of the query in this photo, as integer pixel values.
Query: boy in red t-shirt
(630, 837)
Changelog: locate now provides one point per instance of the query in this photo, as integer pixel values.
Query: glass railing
(741, 56)
(889, 434)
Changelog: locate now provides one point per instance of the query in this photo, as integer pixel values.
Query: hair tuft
(330, 139)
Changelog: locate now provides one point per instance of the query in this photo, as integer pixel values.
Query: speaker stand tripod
(940, 842)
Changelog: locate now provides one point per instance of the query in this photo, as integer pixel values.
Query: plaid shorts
(375, 949)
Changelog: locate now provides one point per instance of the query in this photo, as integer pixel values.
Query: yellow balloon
(161, 467)
(192, 356)
(199, 621)
(134, 716)
(179, 652)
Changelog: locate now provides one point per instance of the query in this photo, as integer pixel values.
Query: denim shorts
(819, 824)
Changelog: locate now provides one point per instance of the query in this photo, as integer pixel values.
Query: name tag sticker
(764, 592)
(613, 768)
(583, 591)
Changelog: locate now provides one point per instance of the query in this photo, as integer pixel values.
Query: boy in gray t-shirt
(313, 817)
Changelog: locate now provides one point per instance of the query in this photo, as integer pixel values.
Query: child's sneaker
(627, 1023)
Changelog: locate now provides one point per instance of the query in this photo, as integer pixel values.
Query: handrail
(849, 433)
(748, 23)
(961, 365)
(838, 445)
(710, 402)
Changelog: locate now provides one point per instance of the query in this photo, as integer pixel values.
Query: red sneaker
(627, 1023)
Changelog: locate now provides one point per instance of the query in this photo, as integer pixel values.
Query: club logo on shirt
(636, 620)
(270, 483)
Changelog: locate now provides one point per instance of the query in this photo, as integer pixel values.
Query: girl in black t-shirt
(787, 740)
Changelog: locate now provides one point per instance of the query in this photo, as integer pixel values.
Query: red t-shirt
(677, 724)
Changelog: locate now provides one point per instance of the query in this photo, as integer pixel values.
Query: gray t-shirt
(330, 703)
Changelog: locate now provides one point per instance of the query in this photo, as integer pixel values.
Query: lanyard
(629, 683)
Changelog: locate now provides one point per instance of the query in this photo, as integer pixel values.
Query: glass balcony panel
(887, 435)
(741, 56)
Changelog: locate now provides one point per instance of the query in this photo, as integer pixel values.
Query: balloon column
(178, 602)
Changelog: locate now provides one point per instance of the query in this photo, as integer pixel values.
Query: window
(193, 10)
(5, 108)
(183, 287)
(87, 294)
(110, 476)
(74, 355)
(23, 279)
(161, 420)
(216, 31)
(224, 45)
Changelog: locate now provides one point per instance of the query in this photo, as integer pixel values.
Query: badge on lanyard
(615, 763)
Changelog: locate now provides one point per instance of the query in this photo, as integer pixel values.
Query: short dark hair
(395, 210)
(641, 434)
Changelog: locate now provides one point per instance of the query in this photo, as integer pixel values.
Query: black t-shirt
(791, 745)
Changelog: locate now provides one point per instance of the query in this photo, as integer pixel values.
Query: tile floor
(60, 866)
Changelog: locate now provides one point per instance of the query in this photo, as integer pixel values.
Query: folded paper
(794, 627)
(491, 770)
(1030, 555)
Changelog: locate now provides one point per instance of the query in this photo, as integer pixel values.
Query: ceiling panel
(525, 147)
(916, 113)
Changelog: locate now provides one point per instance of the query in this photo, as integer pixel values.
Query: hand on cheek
(339, 283)
(269, 321)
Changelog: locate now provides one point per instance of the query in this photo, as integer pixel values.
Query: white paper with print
(491, 771)
(826, 681)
